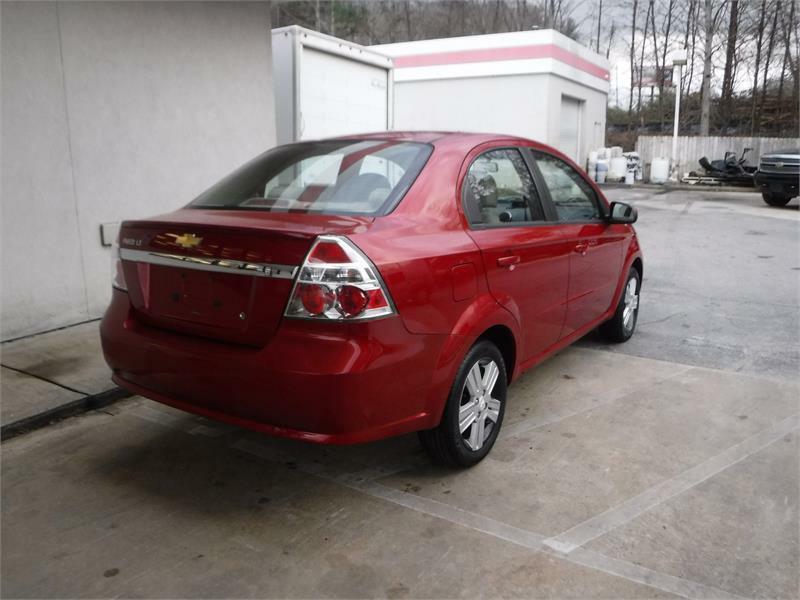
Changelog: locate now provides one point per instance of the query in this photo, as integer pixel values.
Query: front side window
(365, 177)
(499, 189)
(573, 198)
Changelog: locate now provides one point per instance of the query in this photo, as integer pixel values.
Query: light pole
(678, 60)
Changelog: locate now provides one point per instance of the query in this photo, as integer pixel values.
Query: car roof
(437, 138)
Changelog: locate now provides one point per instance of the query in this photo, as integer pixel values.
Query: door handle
(508, 261)
(581, 248)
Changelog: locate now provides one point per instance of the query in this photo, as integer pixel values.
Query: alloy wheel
(479, 411)
(631, 304)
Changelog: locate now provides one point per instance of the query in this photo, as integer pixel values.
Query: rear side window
(499, 190)
(364, 177)
(573, 198)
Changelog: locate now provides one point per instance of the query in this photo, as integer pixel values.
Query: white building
(536, 84)
(115, 110)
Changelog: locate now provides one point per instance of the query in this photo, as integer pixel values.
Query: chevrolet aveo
(347, 290)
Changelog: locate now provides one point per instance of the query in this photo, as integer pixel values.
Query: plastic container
(602, 171)
(593, 156)
(659, 170)
(634, 164)
(617, 167)
(615, 151)
(629, 177)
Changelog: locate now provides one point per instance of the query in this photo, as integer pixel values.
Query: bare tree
(655, 49)
(599, 22)
(730, 57)
(710, 18)
(787, 56)
(770, 49)
(611, 33)
(633, 53)
(641, 57)
(689, 40)
(665, 47)
(759, 41)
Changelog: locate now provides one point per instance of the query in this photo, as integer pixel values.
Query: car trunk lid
(220, 274)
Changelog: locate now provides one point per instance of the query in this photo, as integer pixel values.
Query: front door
(524, 252)
(596, 246)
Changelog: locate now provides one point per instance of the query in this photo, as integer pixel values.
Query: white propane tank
(629, 178)
(616, 151)
(591, 170)
(659, 170)
(602, 171)
(617, 168)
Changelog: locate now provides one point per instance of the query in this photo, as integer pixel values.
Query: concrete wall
(525, 105)
(113, 111)
(511, 104)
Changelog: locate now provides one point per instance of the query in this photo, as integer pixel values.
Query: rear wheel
(474, 411)
(775, 199)
(622, 325)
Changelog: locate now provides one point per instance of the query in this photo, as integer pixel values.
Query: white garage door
(569, 139)
(341, 96)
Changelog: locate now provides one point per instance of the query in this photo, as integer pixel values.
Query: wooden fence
(692, 148)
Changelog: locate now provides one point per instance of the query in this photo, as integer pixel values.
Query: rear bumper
(777, 183)
(323, 382)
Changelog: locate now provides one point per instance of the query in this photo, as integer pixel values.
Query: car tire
(775, 199)
(472, 396)
(621, 326)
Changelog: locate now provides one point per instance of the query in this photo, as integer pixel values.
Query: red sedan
(347, 290)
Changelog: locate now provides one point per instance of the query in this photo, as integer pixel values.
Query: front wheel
(622, 325)
(775, 199)
(474, 411)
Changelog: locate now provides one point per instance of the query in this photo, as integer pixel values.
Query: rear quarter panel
(434, 270)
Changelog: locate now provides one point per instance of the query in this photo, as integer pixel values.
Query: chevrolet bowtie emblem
(188, 240)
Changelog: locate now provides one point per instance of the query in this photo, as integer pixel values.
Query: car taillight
(337, 282)
(118, 276)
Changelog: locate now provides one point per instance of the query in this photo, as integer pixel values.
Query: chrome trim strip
(219, 265)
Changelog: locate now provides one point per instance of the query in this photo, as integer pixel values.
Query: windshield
(362, 177)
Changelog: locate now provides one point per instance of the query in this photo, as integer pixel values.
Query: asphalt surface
(722, 282)
(664, 467)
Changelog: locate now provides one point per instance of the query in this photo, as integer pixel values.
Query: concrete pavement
(664, 481)
(722, 282)
(53, 375)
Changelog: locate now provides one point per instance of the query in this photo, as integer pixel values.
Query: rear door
(595, 246)
(524, 252)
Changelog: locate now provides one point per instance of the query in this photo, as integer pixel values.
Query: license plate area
(207, 298)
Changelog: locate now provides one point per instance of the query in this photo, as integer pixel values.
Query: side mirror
(622, 213)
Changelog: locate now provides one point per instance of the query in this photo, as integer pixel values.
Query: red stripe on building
(496, 54)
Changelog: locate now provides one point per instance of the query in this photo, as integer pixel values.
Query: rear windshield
(358, 177)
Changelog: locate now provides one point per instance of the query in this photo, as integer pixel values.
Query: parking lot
(664, 467)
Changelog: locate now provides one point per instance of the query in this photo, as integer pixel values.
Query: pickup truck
(778, 176)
